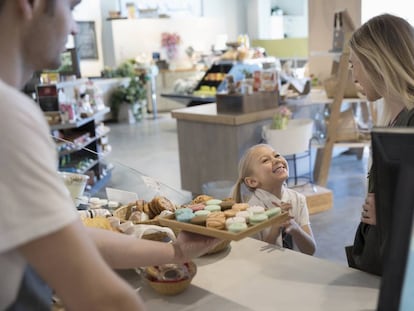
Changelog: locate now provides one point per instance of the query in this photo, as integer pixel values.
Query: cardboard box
(319, 200)
(240, 103)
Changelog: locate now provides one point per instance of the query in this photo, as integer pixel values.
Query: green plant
(131, 93)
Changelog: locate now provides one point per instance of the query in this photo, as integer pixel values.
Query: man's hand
(190, 245)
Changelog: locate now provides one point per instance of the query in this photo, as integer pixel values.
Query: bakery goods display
(224, 219)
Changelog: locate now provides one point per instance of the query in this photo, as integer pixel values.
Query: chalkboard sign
(85, 41)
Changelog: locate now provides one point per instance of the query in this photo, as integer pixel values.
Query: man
(42, 237)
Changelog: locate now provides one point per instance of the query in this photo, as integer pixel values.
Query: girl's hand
(284, 206)
(368, 214)
(291, 226)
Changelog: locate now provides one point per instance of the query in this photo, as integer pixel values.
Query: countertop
(208, 114)
(252, 275)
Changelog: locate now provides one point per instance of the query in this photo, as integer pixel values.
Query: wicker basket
(219, 248)
(171, 288)
(123, 213)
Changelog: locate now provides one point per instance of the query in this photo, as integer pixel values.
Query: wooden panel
(317, 201)
(210, 152)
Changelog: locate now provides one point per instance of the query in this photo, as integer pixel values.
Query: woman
(382, 63)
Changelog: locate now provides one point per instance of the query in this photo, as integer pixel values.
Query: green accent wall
(284, 48)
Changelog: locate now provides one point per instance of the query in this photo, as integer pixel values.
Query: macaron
(258, 218)
(213, 208)
(237, 227)
(214, 202)
(274, 211)
(202, 213)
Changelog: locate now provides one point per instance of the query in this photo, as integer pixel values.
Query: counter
(210, 144)
(253, 275)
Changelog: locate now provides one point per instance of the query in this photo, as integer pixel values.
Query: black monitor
(393, 159)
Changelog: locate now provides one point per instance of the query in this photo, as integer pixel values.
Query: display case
(213, 81)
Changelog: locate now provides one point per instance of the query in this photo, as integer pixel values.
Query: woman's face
(360, 77)
(268, 168)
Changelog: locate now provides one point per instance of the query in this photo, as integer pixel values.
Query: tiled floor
(151, 148)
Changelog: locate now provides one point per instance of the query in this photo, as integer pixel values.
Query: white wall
(136, 37)
(371, 8)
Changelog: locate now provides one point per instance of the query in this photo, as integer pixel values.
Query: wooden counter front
(211, 144)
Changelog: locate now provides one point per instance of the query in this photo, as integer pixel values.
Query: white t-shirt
(299, 210)
(34, 200)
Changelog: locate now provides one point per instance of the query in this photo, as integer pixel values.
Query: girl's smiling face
(268, 169)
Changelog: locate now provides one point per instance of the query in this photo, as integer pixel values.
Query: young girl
(264, 172)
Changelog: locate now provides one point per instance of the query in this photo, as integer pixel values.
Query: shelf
(72, 165)
(77, 147)
(81, 122)
(98, 185)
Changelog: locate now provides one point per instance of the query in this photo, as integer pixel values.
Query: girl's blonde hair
(245, 170)
(385, 47)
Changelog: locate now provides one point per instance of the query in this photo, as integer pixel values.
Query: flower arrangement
(170, 41)
(281, 118)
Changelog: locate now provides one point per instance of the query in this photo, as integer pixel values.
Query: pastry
(256, 209)
(230, 213)
(233, 220)
(227, 204)
(158, 204)
(244, 214)
(213, 202)
(257, 218)
(240, 206)
(216, 220)
(138, 216)
(184, 217)
(237, 227)
(197, 206)
(202, 212)
(273, 211)
(201, 199)
(199, 220)
(213, 208)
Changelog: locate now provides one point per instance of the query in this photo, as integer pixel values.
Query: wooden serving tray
(223, 234)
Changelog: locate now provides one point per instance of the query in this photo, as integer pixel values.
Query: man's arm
(123, 251)
(70, 263)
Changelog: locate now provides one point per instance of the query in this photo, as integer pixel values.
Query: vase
(130, 113)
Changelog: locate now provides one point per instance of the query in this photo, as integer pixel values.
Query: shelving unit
(324, 155)
(81, 149)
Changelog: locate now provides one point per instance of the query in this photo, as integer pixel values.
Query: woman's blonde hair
(385, 47)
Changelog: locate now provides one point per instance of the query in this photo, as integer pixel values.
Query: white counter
(254, 276)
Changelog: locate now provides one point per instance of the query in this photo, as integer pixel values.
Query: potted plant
(128, 99)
